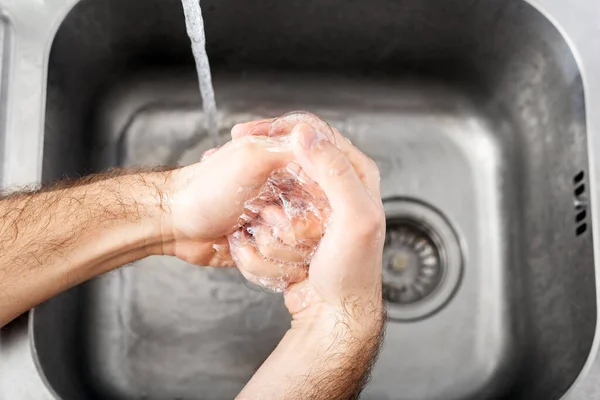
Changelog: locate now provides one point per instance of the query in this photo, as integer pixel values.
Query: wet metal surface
(476, 109)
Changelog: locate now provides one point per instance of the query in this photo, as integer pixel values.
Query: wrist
(141, 206)
(321, 343)
(333, 335)
(362, 315)
(187, 224)
(325, 320)
(155, 194)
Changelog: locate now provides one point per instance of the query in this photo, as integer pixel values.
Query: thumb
(330, 168)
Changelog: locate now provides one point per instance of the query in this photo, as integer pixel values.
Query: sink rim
(33, 51)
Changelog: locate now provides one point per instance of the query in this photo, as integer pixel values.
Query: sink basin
(476, 116)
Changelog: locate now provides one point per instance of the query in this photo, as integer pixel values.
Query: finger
(249, 261)
(311, 187)
(331, 169)
(221, 256)
(306, 231)
(257, 128)
(255, 160)
(273, 248)
(299, 296)
(365, 167)
(295, 230)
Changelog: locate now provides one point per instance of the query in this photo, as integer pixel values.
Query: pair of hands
(207, 199)
(87, 227)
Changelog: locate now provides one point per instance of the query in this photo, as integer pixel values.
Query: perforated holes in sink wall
(580, 203)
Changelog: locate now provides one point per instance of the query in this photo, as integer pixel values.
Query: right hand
(337, 310)
(344, 277)
(205, 200)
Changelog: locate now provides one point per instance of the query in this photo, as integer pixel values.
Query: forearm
(328, 361)
(53, 239)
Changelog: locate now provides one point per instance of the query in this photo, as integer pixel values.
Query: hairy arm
(55, 238)
(320, 360)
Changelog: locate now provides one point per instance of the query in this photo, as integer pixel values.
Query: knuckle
(337, 165)
(371, 223)
(248, 155)
(246, 146)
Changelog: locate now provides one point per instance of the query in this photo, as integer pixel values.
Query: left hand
(206, 199)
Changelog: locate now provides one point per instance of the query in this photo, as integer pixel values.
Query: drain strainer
(411, 260)
(422, 261)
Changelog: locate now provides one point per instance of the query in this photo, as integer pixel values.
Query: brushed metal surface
(476, 108)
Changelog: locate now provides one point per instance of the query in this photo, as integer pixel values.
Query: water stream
(195, 30)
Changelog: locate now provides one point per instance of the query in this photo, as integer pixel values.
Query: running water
(195, 30)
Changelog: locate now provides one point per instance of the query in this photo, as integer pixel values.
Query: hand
(206, 199)
(338, 309)
(355, 234)
(344, 279)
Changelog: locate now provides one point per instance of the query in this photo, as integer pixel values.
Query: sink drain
(422, 261)
(412, 268)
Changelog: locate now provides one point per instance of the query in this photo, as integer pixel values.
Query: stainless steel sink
(475, 112)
